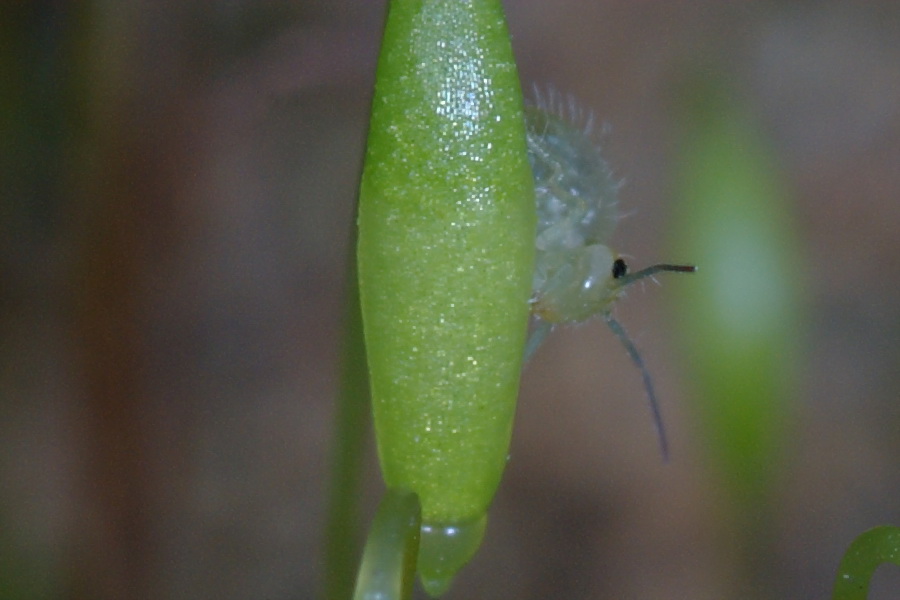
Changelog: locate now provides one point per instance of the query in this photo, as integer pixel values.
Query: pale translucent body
(577, 276)
(576, 206)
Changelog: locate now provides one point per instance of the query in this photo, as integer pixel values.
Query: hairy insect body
(576, 207)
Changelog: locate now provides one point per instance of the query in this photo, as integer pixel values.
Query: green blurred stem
(388, 567)
(742, 319)
(865, 554)
(350, 436)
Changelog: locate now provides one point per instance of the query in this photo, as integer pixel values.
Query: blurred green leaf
(741, 318)
(351, 433)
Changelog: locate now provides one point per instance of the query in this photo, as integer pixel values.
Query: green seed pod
(446, 251)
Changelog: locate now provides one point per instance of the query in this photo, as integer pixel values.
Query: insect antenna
(638, 361)
(624, 278)
(629, 278)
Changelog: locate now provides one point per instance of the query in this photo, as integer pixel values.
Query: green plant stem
(868, 551)
(388, 567)
(350, 436)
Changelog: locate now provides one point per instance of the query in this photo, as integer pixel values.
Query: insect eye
(619, 268)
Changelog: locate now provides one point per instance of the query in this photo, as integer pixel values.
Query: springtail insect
(577, 276)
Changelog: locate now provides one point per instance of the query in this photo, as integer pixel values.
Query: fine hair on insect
(577, 276)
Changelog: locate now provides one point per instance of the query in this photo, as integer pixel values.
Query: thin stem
(874, 547)
(350, 436)
(388, 567)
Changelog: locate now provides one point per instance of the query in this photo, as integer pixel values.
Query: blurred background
(177, 183)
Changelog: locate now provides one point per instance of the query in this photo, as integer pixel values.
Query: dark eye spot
(619, 268)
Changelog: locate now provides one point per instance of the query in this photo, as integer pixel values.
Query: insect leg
(537, 337)
(638, 361)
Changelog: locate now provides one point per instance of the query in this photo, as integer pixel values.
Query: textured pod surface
(446, 245)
